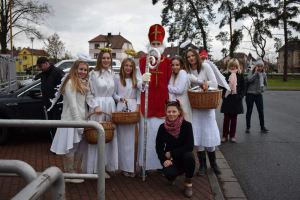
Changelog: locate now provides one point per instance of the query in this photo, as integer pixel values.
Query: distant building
(170, 52)
(244, 61)
(139, 55)
(24, 61)
(117, 42)
(15, 53)
(293, 57)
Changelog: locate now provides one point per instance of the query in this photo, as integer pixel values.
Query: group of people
(173, 127)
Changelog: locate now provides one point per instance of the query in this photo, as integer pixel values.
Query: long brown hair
(73, 76)
(132, 75)
(99, 62)
(198, 59)
(178, 106)
(182, 66)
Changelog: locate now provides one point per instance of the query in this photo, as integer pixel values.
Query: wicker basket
(206, 99)
(126, 117)
(91, 134)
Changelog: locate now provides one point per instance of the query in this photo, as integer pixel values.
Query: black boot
(213, 163)
(202, 161)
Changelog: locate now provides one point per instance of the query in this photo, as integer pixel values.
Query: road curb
(226, 185)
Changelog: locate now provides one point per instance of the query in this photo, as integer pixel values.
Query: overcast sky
(77, 22)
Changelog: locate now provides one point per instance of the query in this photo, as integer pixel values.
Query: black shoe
(213, 163)
(264, 130)
(202, 161)
(161, 171)
(247, 130)
(141, 173)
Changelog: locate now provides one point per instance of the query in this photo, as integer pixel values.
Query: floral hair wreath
(131, 52)
(105, 49)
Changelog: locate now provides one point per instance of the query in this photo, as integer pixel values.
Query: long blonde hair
(99, 62)
(182, 66)
(132, 75)
(198, 59)
(73, 76)
(233, 61)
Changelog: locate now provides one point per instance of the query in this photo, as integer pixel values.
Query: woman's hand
(123, 100)
(137, 108)
(167, 163)
(168, 155)
(98, 110)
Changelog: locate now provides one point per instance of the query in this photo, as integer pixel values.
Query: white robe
(73, 109)
(101, 94)
(205, 128)
(126, 132)
(178, 90)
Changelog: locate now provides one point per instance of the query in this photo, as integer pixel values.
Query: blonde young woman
(178, 85)
(205, 128)
(127, 89)
(69, 141)
(232, 104)
(100, 99)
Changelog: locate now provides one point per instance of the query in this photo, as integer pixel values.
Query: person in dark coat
(232, 104)
(50, 78)
(174, 146)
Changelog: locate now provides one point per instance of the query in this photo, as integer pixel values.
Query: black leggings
(187, 161)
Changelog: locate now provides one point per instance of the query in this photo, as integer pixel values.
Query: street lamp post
(32, 38)
(172, 45)
(177, 31)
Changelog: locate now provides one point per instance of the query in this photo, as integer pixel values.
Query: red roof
(114, 41)
(39, 52)
(15, 52)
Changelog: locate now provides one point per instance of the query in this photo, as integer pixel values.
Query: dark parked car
(24, 103)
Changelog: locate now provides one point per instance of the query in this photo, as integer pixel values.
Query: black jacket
(233, 104)
(50, 79)
(165, 142)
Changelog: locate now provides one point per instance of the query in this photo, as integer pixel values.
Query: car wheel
(3, 134)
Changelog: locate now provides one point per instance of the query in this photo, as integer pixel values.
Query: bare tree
(26, 15)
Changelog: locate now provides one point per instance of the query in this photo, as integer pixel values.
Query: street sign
(20, 61)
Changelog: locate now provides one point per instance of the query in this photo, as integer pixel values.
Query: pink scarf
(173, 127)
(232, 83)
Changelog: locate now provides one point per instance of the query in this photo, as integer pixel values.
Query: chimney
(109, 34)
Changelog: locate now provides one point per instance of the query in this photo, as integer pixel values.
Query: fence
(69, 124)
(8, 79)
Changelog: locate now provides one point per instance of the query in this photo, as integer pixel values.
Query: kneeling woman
(174, 146)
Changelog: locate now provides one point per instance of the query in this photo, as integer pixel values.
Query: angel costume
(205, 128)
(126, 132)
(178, 90)
(101, 94)
(73, 109)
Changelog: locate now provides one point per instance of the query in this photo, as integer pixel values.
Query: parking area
(34, 148)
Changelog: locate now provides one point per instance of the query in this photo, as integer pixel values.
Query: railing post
(101, 166)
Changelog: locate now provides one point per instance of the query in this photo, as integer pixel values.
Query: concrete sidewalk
(34, 150)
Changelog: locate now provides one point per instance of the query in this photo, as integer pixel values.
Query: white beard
(160, 49)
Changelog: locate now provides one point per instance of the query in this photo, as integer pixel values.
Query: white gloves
(80, 130)
(146, 78)
(194, 79)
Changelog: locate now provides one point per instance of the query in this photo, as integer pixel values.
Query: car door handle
(12, 104)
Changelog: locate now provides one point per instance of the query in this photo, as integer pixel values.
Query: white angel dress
(178, 90)
(74, 108)
(205, 128)
(101, 94)
(126, 132)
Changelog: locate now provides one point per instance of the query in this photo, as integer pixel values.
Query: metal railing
(8, 80)
(71, 124)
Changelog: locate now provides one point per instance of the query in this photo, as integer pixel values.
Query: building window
(114, 55)
(24, 67)
(95, 55)
(24, 57)
(96, 46)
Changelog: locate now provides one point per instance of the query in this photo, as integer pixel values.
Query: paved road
(268, 165)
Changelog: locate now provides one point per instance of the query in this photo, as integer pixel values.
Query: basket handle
(95, 113)
(206, 85)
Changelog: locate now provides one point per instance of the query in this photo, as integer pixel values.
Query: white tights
(79, 148)
(202, 148)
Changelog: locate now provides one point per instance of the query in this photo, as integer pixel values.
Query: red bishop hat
(156, 33)
(203, 55)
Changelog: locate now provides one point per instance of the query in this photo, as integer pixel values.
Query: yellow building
(24, 61)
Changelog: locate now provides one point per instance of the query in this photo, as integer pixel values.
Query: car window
(91, 63)
(34, 85)
(66, 65)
